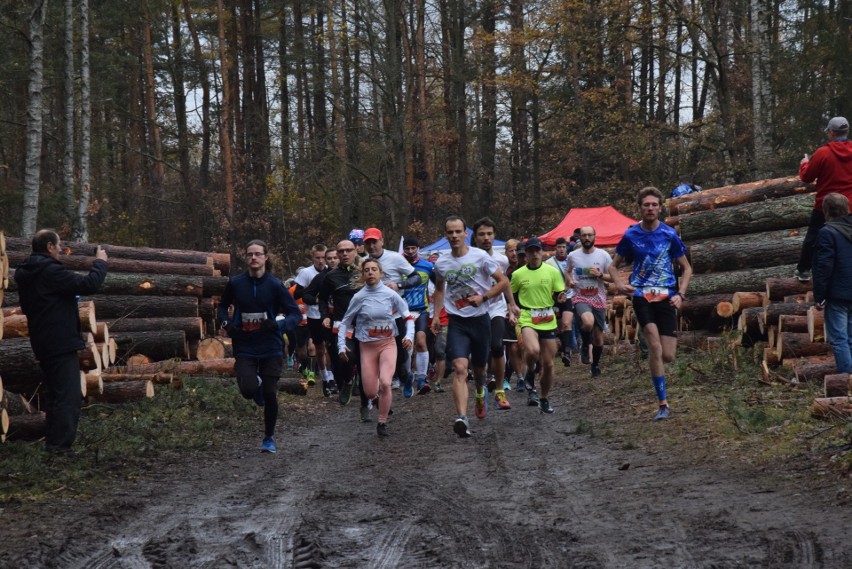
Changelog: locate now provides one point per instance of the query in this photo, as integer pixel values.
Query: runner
(398, 275)
(417, 298)
(337, 289)
(377, 308)
(537, 288)
(258, 297)
(484, 233)
(588, 268)
(655, 248)
(510, 338)
(466, 273)
(564, 310)
(314, 322)
(356, 236)
(320, 335)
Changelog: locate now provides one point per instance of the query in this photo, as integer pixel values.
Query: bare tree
(68, 157)
(81, 227)
(32, 162)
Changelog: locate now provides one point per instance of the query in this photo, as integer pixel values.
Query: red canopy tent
(609, 224)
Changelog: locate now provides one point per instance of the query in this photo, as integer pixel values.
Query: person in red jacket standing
(831, 168)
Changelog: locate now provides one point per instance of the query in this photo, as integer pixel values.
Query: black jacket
(48, 293)
(338, 288)
(832, 267)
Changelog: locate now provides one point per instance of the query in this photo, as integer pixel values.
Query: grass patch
(121, 441)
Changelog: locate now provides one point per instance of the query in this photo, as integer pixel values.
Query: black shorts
(544, 334)
(247, 369)
(662, 313)
(317, 331)
(498, 330)
(561, 307)
(300, 333)
(421, 323)
(469, 338)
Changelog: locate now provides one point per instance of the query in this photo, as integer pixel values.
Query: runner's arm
(438, 302)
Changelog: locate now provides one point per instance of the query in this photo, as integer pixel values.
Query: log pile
(155, 305)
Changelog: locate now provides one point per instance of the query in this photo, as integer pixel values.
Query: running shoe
(395, 383)
(439, 388)
(522, 386)
(596, 370)
(364, 414)
(663, 413)
(382, 430)
(491, 383)
(500, 400)
(268, 445)
(532, 398)
(345, 395)
(544, 406)
(462, 428)
(310, 377)
(423, 386)
(290, 361)
(566, 359)
(481, 403)
(507, 385)
(802, 276)
(408, 387)
(326, 388)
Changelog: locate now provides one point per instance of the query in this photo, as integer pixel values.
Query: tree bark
(156, 172)
(743, 300)
(783, 213)
(81, 263)
(816, 325)
(223, 367)
(796, 345)
(214, 349)
(124, 392)
(191, 326)
(112, 307)
(158, 346)
(837, 385)
(26, 427)
(68, 157)
(81, 225)
(738, 194)
(750, 326)
(832, 408)
(710, 258)
(793, 323)
(32, 161)
(779, 287)
(773, 311)
(736, 281)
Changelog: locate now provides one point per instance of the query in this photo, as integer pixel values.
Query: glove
(269, 325)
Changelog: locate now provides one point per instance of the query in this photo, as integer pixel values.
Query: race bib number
(655, 293)
(541, 315)
(252, 321)
(461, 303)
(335, 328)
(589, 291)
(381, 329)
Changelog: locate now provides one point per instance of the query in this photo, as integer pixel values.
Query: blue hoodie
(256, 302)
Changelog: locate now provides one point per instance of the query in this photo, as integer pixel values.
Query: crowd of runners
(365, 320)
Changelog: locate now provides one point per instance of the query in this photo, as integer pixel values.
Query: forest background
(201, 124)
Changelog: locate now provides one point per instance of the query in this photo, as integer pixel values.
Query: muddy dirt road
(528, 490)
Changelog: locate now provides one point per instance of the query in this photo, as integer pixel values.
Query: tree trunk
(773, 311)
(796, 345)
(698, 311)
(743, 300)
(68, 157)
(811, 369)
(158, 346)
(156, 171)
(838, 385)
(816, 325)
(779, 287)
(32, 162)
(214, 348)
(738, 194)
(117, 265)
(159, 378)
(756, 254)
(204, 80)
(179, 100)
(26, 427)
(783, 213)
(152, 285)
(18, 366)
(750, 326)
(793, 323)
(112, 307)
(81, 225)
(192, 327)
(124, 392)
(761, 91)
(200, 368)
(736, 281)
(832, 408)
(225, 120)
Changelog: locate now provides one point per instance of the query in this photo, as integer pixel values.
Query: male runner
(466, 274)
(588, 268)
(314, 322)
(537, 287)
(417, 298)
(657, 295)
(565, 309)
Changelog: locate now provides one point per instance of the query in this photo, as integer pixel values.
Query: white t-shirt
(588, 288)
(498, 305)
(466, 276)
(394, 266)
(303, 279)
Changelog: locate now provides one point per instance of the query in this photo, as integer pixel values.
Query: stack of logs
(744, 242)
(155, 306)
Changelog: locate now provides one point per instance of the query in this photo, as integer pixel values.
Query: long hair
(359, 280)
(268, 264)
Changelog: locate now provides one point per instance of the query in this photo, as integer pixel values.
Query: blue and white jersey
(653, 253)
(417, 297)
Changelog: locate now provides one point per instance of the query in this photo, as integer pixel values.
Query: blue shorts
(469, 338)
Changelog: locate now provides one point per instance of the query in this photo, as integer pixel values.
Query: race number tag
(541, 315)
(252, 321)
(381, 329)
(655, 293)
(461, 303)
(335, 328)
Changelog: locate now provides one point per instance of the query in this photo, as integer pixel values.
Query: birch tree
(32, 161)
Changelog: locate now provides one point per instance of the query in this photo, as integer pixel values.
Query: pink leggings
(378, 362)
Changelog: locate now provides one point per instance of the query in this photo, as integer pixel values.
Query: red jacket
(831, 167)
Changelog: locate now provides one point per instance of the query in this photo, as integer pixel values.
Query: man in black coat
(48, 293)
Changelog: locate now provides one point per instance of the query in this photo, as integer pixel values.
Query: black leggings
(269, 370)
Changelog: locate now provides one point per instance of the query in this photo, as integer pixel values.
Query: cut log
(699, 312)
(214, 348)
(9, 298)
(90, 358)
(13, 323)
(772, 312)
(793, 323)
(86, 309)
(159, 345)
(816, 324)
(191, 326)
(160, 378)
(200, 368)
(94, 383)
(796, 345)
(750, 326)
(101, 333)
(26, 427)
(771, 358)
(779, 287)
(783, 213)
(742, 300)
(117, 265)
(214, 286)
(725, 309)
(112, 307)
(714, 257)
(693, 339)
(18, 366)
(19, 244)
(797, 298)
(812, 369)
(135, 359)
(293, 385)
(737, 194)
(832, 408)
(734, 281)
(124, 391)
(838, 385)
(14, 327)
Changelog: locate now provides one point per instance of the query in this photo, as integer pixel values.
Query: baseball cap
(532, 243)
(837, 124)
(356, 236)
(410, 242)
(372, 233)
